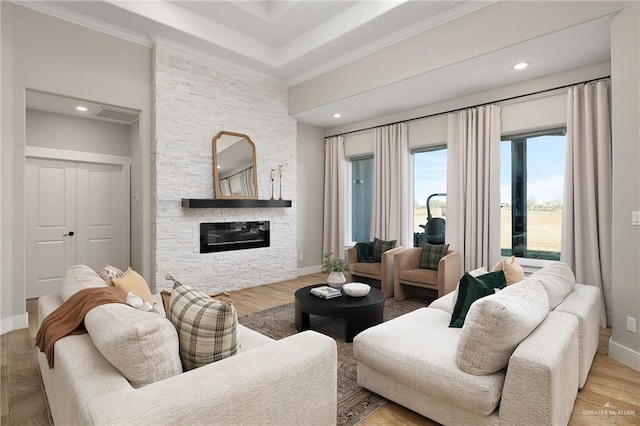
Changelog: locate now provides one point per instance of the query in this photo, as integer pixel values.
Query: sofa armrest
(387, 270)
(352, 255)
(290, 381)
(448, 273)
(542, 377)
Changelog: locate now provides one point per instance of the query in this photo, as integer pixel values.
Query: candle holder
(273, 177)
(280, 176)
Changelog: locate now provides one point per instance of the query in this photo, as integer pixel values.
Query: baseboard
(310, 270)
(624, 355)
(14, 323)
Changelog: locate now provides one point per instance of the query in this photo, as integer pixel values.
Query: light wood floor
(611, 394)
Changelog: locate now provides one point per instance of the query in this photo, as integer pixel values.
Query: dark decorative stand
(200, 203)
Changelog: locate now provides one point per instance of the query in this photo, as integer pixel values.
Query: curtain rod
(474, 106)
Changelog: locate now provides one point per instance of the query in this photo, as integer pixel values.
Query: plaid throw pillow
(431, 255)
(380, 246)
(207, 328)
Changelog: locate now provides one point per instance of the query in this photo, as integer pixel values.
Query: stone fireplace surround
(194, 98)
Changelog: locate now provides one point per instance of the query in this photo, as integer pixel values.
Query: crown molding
(84, 21)
(401, 35)
(60, 12)
(208, 56)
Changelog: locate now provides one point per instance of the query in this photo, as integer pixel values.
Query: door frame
(91, 157)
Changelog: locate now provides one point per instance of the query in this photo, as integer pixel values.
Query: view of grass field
(545, 157)
(544, 226)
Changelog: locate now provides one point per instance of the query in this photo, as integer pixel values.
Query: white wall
(526, 114)
(50, 130)
(195, 98)
(310, 197)
(625, 112)
(43, 53)
(489, 29)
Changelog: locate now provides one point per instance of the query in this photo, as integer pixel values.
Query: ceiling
(293, 41)
(57, 104)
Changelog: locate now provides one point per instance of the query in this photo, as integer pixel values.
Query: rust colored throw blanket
(69, 317)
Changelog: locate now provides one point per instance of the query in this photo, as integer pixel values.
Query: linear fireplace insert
(225, 236)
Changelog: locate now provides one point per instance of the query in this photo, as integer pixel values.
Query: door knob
(69, 234)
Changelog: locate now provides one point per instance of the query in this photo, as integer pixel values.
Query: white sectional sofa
(414, 359)
(290, 381)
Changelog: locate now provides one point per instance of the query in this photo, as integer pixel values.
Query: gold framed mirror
(234, 166)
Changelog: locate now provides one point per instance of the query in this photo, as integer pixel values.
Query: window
(429, 196)
(531, 194)
(361, 174)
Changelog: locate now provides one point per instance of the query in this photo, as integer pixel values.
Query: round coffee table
(359, 313)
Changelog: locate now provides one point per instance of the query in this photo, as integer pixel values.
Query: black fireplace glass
(225, 236)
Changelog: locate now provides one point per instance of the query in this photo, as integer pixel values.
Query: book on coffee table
(326, 292)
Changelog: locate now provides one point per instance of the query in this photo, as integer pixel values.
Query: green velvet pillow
(431, 255)
(365, 252)
(473, 288)
(380, 246)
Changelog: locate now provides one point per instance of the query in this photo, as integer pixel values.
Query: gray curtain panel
(587, 213)
(473, 186)
(390, 218)
(334, 164)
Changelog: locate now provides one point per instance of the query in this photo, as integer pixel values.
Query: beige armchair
(409, 276)
(382, 271)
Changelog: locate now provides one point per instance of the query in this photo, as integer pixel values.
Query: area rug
(354, 402)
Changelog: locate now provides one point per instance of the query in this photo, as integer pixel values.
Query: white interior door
(77, 213)
(50, 220)
(103, 212)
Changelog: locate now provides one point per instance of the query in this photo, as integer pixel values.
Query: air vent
(112, 114)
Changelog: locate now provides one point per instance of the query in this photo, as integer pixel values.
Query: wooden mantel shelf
(199, 203)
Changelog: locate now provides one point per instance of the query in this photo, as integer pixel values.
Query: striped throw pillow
(207, 328)
(431, 255)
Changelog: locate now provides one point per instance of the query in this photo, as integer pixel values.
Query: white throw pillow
(137, 302)
(143, 346)
(558, 281)
(496, 324)
(79, 277)
(109, 272)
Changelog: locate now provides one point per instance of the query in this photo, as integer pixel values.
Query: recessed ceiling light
(521, 65)
(337, 115)
(81, 108)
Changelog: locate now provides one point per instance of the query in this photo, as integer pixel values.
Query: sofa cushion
(496, 324)
(431, 255)
(207, 328)
(367, 268)
(558, 281)
(512, 270)
(131, 281)
(419, 276)
(585, 303)
(380, 246)
(109, 272)
(419, 350)
(444, 303)
(473, 288)
(79, 277)
(143, 346)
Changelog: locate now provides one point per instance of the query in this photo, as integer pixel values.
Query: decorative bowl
(356, 289)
